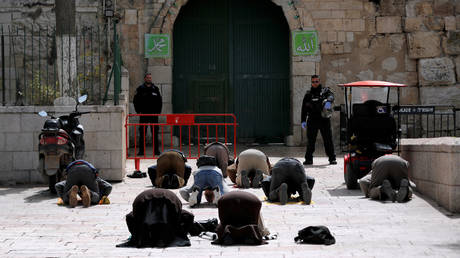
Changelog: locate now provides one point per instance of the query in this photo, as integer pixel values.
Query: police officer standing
(316, 113)
(148, 100)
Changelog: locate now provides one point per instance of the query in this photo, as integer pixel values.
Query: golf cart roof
(372, 84)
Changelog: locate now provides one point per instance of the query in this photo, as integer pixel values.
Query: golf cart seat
(373, 128)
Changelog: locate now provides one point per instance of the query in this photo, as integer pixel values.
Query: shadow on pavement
(316, 166)
(11, 190)
(453, 246)
(343, 191)
(441, 209)
(39, 196)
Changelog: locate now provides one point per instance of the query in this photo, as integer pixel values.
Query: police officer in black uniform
(148, 100)
(316, 113)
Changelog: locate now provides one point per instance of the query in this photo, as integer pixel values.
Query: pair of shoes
(137, 174)
(216, 195)
(184, 193)
(308, 162)
(73, 196)
(245, 179)
(157, 153)
(306, 193)
(257, 179)
(282, 193)
(333, 162)
(403, 192)
(193, 199)
(85, 196)
(387, 190)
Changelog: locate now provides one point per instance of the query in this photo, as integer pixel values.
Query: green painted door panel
(239, 51)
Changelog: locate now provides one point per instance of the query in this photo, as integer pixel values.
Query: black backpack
(315, 235)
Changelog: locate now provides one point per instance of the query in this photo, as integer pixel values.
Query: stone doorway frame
(302, 67)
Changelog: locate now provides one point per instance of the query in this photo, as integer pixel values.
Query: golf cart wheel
(350, 179)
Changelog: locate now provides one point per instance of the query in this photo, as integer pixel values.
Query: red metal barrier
(175, 124)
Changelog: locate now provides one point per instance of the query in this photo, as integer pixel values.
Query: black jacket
(148, 100)
(312, 103)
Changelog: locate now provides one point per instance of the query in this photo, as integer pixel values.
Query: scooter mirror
(43, 113)
(82, 99)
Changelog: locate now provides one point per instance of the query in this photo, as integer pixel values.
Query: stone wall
(104, 138)
(434, 169)
(415, 42)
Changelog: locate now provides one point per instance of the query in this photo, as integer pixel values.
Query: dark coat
(157, 220)
(219, 151)
(312, 103)
(170, 171)
(148, 100)
(290, 171)
(239, 213)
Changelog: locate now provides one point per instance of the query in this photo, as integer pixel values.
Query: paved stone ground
(32, 225)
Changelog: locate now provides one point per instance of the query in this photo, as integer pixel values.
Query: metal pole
(117, 66)
(48, 87)
(3, 68)
(40, 93)
(32, 96)
(399, 127)
(100, 66)
(84, 59)
(92, 64)
(24, 66)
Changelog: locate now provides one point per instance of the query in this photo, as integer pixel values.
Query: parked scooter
(60, 142)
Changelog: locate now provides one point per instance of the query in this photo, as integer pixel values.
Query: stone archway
(301, 67)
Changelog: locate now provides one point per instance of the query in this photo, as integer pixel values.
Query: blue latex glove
(304, 125)
(327, 105)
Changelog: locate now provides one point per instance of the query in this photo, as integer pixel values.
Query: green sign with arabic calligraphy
(304, 43)
(156, 45)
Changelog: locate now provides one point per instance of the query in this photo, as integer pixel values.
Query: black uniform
(312, 106)
(148, 100)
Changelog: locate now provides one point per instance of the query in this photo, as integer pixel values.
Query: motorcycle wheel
(52, 180)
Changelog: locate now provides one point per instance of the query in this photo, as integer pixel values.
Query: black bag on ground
(315, 235)
(209, 225)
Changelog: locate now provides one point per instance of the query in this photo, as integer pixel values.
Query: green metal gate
(232, 56)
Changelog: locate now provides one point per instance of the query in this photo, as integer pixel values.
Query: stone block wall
(416, 42)
(411, 42)
(434, 167)
(104, 138)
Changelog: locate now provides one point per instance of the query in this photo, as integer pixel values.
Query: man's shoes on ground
(387, 190)
(85, 196)
(216, 195)
(403, 191)
(333, 162)
(193, 199)
(184, 193)
(73, 196)
(306, 193)
(137, 174)
(308, 162)
(257, 179)
(245, 179)
(282, 193)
